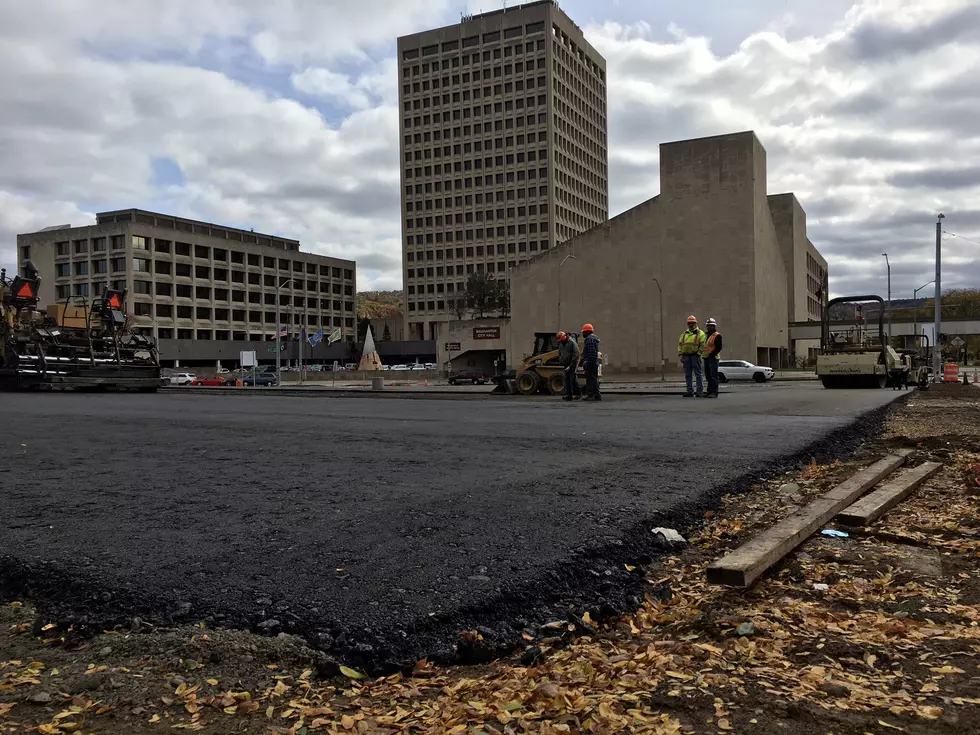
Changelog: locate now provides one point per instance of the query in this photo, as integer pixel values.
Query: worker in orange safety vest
(711, 353)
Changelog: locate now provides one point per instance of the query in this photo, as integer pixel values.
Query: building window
(99, 266)
(141, 287)
(80, 289)
(62, 248)
(117, 242)
(63, 292)
(81, 269)
(81, 246)
(141, 309)
(141, 265)
(139, 242)
(62, 270)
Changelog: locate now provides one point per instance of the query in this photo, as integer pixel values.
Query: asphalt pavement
(374, 527)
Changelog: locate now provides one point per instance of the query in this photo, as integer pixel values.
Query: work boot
(567, 398)
(597, 397)
(699, 394)
(578, 396)
(689, 395)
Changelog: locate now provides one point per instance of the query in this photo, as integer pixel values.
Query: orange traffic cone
(974, 375)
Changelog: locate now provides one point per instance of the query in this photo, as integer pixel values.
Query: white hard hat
(711, 320)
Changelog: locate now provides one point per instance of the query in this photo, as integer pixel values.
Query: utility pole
(279, 336)
(889, 266)
(663, 350)
(936, 350)
(567, 258)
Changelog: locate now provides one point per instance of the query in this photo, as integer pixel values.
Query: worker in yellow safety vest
(689, 348)
(711, 353)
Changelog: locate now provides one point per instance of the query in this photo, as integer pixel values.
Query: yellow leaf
(269, 711)
(230, 710)
(947, 670)
(155, 719)
(5, 708)
(890, 726)
(15, 604)
(678, 675)
(213, 682)
(629, 568)
(351, 673)
(241, 696)
(588, 619)
(724, 724)
(931, 713)
(280, 689)
(347, 722)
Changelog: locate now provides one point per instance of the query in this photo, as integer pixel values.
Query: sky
(282, 116)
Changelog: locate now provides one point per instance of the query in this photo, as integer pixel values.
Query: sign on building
(452, 347)
(486, 332)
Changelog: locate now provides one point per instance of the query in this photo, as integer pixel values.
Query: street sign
(452, 347)
(957, 342)
(246, 358)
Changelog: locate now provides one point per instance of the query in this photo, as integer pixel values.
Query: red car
(212, 382)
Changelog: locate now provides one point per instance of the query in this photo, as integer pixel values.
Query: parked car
(182, 378)
(210, 382)
(417, 366)
(743, 370)
(468, 376)
(400, 367)
(265, 378)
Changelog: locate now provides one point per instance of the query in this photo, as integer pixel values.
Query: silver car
(743, 370)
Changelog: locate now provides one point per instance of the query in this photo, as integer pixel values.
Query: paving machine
(71, 345)
(540, 372)
(857, 357)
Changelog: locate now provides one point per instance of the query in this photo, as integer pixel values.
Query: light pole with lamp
(915, 311)
(936, 349)
(889, 266)
(663, 350)
(279, 335)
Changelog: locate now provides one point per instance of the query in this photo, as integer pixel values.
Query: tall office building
(503, 150)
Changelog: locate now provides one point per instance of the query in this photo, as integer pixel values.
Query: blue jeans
(591, 378)
(711, 373)
(693, 367)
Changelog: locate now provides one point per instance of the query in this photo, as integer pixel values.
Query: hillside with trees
(379, 304)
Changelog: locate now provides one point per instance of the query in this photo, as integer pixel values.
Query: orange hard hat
(561, 336)
(692, 318)
(587, 328)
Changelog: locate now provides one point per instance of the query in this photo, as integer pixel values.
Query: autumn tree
(485, 295)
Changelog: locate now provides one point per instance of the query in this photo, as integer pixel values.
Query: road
(375, 526)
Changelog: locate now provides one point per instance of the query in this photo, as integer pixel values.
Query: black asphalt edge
(594, 579)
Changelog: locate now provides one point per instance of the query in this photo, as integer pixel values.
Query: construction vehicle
(84, 347)
(540, 372)
(857, 357)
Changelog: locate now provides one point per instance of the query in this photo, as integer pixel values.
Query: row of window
(473, 251)
(568, 47)
(203, 293)
(479, 215)
(220, 335)
(464, 269)
(456, 61)
(479, 233)
(141, 243)
(465, 131)
(497, 108)
(568, 87)
(499, 72)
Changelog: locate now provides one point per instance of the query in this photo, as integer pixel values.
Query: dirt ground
(877, 632)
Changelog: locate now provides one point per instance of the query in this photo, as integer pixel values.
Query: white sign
(957, 342)
(247, 358)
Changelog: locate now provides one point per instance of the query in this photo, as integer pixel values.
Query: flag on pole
(316, 338)
(335, 336)
(283, 331)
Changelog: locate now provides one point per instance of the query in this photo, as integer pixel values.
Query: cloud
(283, 117)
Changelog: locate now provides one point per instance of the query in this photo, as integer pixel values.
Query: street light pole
(915, 311)
(279, 336)
(663, 350)
(889, 266)
(937, 327)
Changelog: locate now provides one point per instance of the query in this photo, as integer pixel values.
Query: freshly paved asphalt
(366, 519)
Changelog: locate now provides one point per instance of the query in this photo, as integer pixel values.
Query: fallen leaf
(250, 706)
(890, 726)
(351, 673)
(347, 722)
(724, 724)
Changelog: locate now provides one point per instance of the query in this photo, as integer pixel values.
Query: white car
(400, 367)
(182, 378)
(743, 370)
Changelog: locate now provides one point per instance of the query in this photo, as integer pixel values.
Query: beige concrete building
(197, 287)
(713, 240)
(503, 149)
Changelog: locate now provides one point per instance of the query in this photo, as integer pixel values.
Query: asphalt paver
(375, 527)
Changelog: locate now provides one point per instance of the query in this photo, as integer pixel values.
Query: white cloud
(283, 117)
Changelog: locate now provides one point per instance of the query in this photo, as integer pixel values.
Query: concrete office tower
(503, 150)
(718, 245)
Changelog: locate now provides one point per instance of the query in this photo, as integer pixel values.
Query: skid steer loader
(540, 372)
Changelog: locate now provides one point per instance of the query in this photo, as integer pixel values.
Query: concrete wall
(474, 353)
(789, 220)
(709, 239)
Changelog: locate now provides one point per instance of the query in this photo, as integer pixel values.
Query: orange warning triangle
(25, 292)
(114, 302)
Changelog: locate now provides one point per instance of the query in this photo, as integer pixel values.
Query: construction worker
(568, 355)
(590, 361)
(689, 350)
(711, 353)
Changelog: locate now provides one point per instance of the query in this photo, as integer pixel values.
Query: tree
(386, 335)
(457, 304)
(362, 326)
(486, 295)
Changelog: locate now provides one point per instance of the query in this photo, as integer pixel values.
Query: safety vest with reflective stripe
(709, 345)
(690, 342)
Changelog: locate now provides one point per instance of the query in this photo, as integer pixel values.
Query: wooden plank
(874, 505)
(743, 566)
